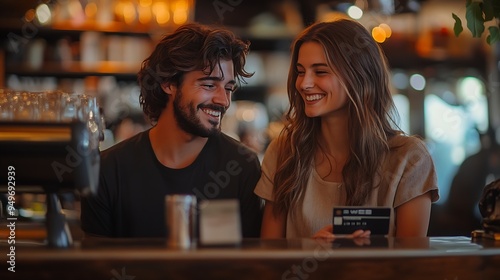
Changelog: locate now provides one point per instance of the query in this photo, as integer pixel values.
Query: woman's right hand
(361, 234)
(327, 233)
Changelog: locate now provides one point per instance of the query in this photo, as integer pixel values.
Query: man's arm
(96, 213)
(250, 204)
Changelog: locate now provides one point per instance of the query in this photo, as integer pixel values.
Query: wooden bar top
(375, 258)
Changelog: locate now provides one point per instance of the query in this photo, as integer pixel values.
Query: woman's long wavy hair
(191, 47)
(360, 64)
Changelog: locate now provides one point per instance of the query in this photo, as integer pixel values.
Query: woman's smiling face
(316, 82)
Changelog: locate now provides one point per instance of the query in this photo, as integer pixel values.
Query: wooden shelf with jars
(76, 38)
(76, 69)
(30, 30)
(65, 50)
(110, 28)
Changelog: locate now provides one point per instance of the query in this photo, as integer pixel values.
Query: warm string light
(30, 15)
(91, 10)
(43, 14)
(381, 32)
(130, 12)
(160, 10)
(144, 9)
(181, 9)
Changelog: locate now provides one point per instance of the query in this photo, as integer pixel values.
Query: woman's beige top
(406, 172)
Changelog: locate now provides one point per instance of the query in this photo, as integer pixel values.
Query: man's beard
(189, 122)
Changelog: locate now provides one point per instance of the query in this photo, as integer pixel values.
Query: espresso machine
(49, 150)
(49, 158)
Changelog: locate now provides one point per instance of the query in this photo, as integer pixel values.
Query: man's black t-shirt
(130, 200)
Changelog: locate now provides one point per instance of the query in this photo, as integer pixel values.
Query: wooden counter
(414, 258)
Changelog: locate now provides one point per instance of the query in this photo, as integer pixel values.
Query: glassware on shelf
(53, 106)
(52, 138)
(49, 106)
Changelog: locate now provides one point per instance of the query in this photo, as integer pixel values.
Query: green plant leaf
(457, 28)
(475, 20)
(494, 35)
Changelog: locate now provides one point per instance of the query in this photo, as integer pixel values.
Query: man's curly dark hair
(192, 47)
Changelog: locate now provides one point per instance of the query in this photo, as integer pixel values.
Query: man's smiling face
(202, 99)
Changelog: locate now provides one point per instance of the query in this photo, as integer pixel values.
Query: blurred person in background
(459, 214)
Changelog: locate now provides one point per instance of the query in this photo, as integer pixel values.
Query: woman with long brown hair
(340, 145)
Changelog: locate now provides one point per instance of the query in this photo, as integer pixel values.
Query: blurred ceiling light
(29, 15)
(76, 12)
(417, 82)
(129, 14)
(118, 10)
(91, 10)
(160, 10)
(387, 29)
(180, 12)
(145, 14)
(378, 34)
(181, 5)
(400, 80)
(355, 12)
(180, 17)
(43, 14)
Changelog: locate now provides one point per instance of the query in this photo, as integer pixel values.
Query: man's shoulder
(227, 145)
(127, 147)
(229, 142)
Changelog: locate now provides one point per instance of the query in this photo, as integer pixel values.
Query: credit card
(347, 220)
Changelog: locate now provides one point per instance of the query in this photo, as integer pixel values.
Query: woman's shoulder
(407, 148)
(271, 155)
(272, 149)
(406, 142)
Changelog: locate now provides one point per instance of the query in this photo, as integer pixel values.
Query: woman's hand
(327, 232)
